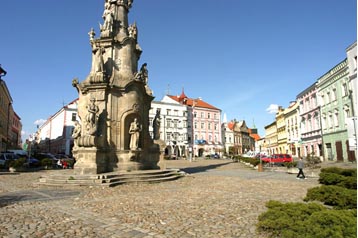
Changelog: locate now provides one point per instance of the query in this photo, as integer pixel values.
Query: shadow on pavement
(36, 195)
(200, 169)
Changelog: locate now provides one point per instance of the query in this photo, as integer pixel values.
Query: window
(344, 89)
(334, 94)
(168, 112)
(335, 118)
(168, 123)
(202, 125)
(175, 112)
(74, 116)
(328, 97)
(202, 114)
(208, 115)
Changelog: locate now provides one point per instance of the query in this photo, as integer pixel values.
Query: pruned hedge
(331, 195)
(338, 190)
(291, 220)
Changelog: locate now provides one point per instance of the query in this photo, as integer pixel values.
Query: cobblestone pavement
(217, 199)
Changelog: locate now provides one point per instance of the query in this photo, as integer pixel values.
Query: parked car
(32, 162)
(278, 158)
(6, 157)
(41, 156)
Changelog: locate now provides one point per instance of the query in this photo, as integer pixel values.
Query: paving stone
(218, 199)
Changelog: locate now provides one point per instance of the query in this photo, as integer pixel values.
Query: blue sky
(238, 55)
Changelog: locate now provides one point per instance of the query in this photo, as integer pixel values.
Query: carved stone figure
(142, 75)
(156, 125)
(134, 131)
(132, 29)
(91, 117)
(76, 132)
(98, 59)
(108, 21)
(91, 34)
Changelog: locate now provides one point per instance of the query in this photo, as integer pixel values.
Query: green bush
(340, 171)
(46, 162)
(338, 179)
(292, 164)
(338, 197)
(17, 163)
(291, 220)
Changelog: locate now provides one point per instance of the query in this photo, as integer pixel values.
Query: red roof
(183, 99)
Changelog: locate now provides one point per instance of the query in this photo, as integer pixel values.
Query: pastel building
(55, 135)
(310, 122)
(173, 126)
(204, 123)
(336, 108)
(292, 129)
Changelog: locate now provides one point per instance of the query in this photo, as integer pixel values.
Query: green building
(336, 107)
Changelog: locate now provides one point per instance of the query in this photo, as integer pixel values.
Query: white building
(55, 135)
(173, 126)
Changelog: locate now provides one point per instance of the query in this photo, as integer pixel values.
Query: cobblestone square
(218, 198)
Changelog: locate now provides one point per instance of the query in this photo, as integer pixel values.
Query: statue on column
(76, 133)
(134, 131)
(91, 117)
(156, 125)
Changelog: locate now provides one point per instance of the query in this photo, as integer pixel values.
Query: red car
(278, 158)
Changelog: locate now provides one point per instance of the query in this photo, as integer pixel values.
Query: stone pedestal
(162, 163)
(90, 161)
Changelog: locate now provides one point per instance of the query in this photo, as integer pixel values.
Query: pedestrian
(300, 166)
(59, 164)
(64, 164)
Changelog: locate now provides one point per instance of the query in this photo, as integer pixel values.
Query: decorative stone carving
(76, 133)
(91, 34)
(156, 125)
(91, 117)
(142, 75)
(132, 29)
(134, 131)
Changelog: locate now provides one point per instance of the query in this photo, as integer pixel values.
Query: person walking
(300, 166)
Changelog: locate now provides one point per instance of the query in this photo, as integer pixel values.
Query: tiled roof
(192, 102)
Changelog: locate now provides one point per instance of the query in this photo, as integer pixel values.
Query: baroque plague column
(114, 101)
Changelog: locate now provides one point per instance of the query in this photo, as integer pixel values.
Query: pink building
(204, 125)
(310, 124)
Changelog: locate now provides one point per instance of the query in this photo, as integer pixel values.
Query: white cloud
(39, 122)
(273, 108)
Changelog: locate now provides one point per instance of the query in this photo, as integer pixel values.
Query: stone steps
(111, 179)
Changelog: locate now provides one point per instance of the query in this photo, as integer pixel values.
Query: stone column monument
(114, 101)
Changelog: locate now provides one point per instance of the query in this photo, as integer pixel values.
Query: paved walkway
(217, 199)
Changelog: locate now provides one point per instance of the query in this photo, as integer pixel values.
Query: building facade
(336, 107)
(204, 126)
(10, 122)
(270, 142)
(292, 129)
(281, 131)
(55, 135)
(173, 126)
(310, 122)
(352, 121)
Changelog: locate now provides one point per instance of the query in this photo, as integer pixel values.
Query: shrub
(291, 164)
(340, 171)
(313, 161)
(46, 162)
(338, 179)
(338, 197)
(291, 220)
(17, 163)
